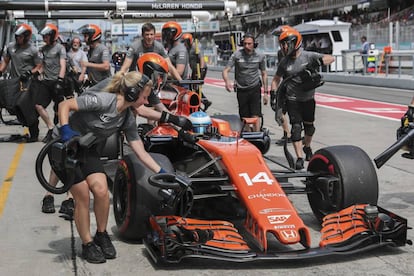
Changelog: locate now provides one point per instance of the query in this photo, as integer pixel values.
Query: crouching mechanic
(103, 114)
(299, 93)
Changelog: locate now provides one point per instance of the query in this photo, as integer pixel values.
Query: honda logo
(289, 234)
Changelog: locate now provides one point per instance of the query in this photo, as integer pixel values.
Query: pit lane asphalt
(33, 243)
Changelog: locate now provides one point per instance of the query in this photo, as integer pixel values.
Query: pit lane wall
(381, 80)
(399, 81)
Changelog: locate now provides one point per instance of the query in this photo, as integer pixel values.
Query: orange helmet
(187, 38)
(93, 31)
(154, 67)
(51, 30)
(171, 32)
(280, 29)
(25, 30)
(292, 39)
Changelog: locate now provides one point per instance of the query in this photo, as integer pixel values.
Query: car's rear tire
(357, 181)
(134, 199)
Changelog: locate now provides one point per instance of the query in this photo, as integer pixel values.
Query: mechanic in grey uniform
(300, 103)
(250, 74)
(171, 33)
(25, 62)
(98, 66)
(102, 113)
(53, 84)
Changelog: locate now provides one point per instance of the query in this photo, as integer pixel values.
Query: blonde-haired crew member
(102, 113)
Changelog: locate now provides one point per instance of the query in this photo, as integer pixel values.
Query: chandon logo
(265, 196)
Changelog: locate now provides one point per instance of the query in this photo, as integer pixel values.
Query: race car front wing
(355, 229)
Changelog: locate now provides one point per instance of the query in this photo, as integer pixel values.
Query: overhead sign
(187, 27)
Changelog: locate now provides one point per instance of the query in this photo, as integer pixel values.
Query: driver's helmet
(24, 30)
(52, 31)
(170, 32)
(155, 67)
(201, 122)
(292, 39)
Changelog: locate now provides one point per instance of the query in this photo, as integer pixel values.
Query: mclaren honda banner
(135, 29)
(126, 5)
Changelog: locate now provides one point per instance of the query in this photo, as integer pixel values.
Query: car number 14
(258, 178)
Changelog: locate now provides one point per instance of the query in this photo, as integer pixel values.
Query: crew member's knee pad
(296, 132)
(309, 129)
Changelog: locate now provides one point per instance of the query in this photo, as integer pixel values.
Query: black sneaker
(105, 243)
(48, 204)
(67, 207)
(92, 253)
(299, 164)
(48, 136)
(308, 152)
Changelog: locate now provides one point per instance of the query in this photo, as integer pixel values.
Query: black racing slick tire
(345, 175)
(134, 199)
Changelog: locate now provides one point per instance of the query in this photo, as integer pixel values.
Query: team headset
(131, 94)
(249, 35)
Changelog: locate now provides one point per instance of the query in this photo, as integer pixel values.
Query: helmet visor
(21, 31)
(46, 31)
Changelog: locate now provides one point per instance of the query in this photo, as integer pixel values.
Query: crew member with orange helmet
(300, 101)
(53, 83)
(25, 61)
(98, 66)
(171, 33)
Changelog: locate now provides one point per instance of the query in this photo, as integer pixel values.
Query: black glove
(26, 75)
(273, 99)
(60, 86)
(180, 121)
(315, 63)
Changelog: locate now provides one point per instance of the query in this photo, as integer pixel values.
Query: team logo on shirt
(104, 118)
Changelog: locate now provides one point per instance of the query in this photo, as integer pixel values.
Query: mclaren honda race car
(221, 200)
(224, 198)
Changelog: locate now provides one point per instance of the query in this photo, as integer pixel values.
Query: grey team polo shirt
(22, 59)
(247, 72)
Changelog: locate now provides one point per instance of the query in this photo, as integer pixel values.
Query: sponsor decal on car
(272, 210)
(265, 196)
(277, 219)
